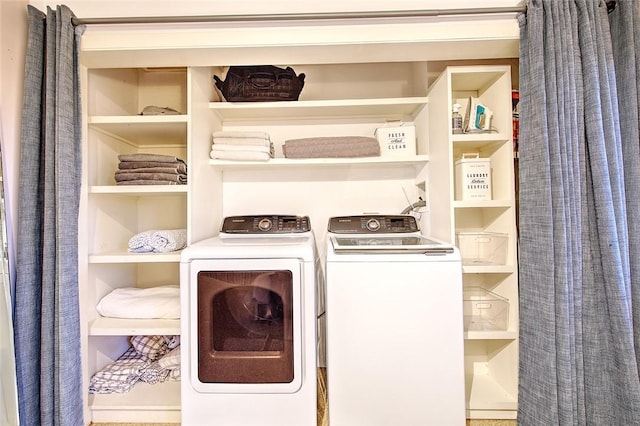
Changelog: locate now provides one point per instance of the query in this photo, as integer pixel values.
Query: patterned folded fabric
(158, 241)
(154, 373)
(171, 360)
(120, 375)
(149, 347)
(149, 359)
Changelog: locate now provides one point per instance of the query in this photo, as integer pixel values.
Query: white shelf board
(488, 269)
(483, 204)
(384, 109)
(127, 257)
(144, 129)
(479, 141)
(143, 396)
(491, 335)
(138, 190)
(484, 393)
(102, 326)
(416, 160)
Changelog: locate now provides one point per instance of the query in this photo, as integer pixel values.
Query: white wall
(13, 30)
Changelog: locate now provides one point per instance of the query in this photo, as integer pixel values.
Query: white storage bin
(483, 248)
(397, 141)
(473, 178)
(485, 310)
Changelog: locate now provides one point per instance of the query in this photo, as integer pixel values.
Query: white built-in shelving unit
(491, 356)
(343, 95)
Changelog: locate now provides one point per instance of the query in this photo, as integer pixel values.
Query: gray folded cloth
(332, 147)
(128, 165)
(172, 177)
(150, 157)
(170, 170)
(156, 110)
(148, 182)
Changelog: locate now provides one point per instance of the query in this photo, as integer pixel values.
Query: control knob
(373, 224)
(265, 224)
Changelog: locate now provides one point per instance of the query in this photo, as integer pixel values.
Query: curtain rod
(296, 16)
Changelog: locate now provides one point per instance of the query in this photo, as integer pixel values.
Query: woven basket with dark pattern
(260, 83)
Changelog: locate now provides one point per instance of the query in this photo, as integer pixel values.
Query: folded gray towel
(174, 177)
(332, 147)
(150, 157)
(127, 165)
(148, 182)
(171, 170)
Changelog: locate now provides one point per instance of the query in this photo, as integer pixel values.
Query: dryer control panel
(265, 224)
(373, 224)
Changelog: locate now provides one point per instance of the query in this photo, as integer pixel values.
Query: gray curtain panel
(579, 248)
(46, 310)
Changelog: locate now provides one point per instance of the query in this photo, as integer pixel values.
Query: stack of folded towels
(332, 147)
(150, 169)
(242, 146)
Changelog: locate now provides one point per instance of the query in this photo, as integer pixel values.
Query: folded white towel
(239, 155)
(158, 241)
(240, 134)
(146, 303)
(254, 148)
(242, 141)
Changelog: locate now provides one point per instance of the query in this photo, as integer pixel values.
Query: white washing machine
(249, 333)
(395, 349)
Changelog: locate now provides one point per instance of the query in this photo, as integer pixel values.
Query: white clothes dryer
(248, 298)
(394, 312)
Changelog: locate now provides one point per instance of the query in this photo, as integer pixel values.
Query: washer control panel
(372, 224)
(265, 224)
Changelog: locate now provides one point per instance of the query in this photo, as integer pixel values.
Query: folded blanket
(123, 176)
(150, 157)
(147, 303)
(331, 147)
(152, 165)
(240, 134)
(158, 241)
(240, 155)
